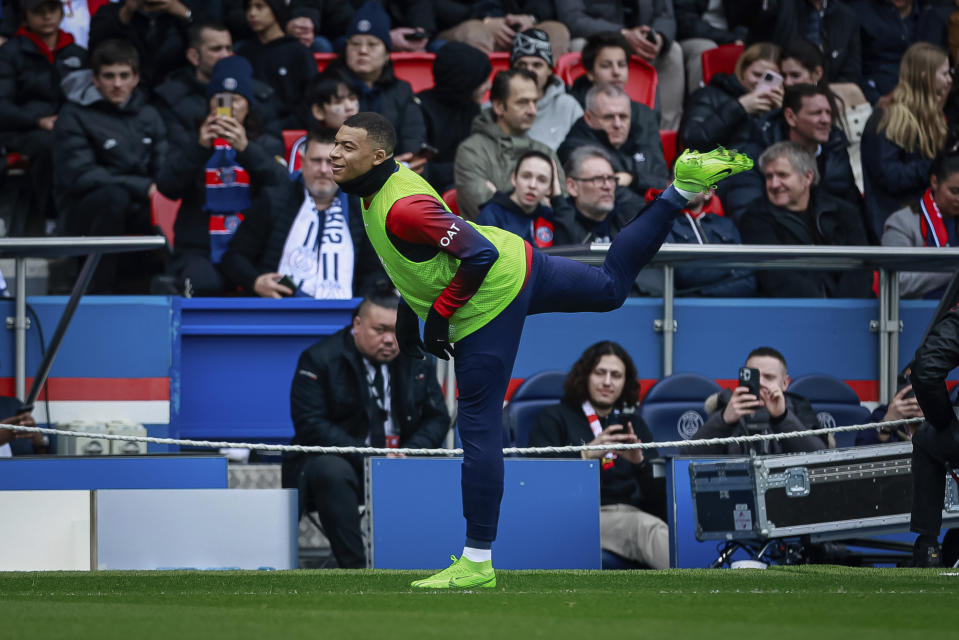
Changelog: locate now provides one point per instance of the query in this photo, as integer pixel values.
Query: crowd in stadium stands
(111, 109)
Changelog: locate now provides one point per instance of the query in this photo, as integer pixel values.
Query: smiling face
(794, 73)
(812, 124)
(531, 182)
(946, 194)
(353, 154)
(606, 382)
(611, 67)
(786, 187)
(116, 82)
(317, 171)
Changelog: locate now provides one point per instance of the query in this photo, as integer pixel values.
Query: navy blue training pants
(484, 359)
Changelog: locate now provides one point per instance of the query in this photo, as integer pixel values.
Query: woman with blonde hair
(727, 110)
(902, 138)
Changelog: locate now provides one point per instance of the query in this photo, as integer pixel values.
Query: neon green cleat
(699, 172)
(461, 574)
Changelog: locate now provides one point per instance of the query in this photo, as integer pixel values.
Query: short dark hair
(576, 386)
(805, 53)
(381, 295)
(794, 95)
(944, 165)
(323, 88)
(767, 352)
(499, 91)
(599, 41)
(378, 129)
(114, 51)
(317, 136)
(533, 153)
(194, 34)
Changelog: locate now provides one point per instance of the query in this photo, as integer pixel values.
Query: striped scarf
(227, 195)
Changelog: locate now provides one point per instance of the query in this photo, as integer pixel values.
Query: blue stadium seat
(540, 390)
(834, 402)
(673, 408)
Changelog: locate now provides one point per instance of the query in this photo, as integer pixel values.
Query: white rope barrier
(762, 437)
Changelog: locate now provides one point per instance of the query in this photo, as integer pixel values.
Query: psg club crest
(227, 175)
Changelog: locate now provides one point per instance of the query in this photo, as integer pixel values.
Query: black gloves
(436, 335)
(408, 331)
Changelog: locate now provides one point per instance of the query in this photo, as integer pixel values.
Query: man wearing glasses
(590, 213)
(631, 139)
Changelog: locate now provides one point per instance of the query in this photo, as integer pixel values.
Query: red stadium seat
(641, 85)
(322, 60)
(16, 164)
(415, 68)
(668, 140)
(449, 197)
(720, 60)
(290, 138)
(163, 213)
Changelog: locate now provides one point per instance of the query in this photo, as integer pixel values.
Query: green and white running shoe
(462, 574)
(699, 172)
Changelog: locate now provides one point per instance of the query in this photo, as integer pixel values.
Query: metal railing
(888, 261)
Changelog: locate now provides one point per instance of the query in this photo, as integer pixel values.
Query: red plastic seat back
(449, 197)
(641, 85)
(322, 60)
(720, 60)
(415, 68)
(668, 140)
(163, 212)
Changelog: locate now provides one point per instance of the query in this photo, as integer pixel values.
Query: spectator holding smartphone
(741, 412)
(221, 175)
(728, 109)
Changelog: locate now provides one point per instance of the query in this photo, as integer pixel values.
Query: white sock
(477, 555)
(689, 195)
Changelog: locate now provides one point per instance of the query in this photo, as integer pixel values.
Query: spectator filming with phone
(760, 403)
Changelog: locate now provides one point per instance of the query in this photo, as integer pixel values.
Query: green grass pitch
(808, 602)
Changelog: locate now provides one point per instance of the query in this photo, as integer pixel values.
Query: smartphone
(770, 80)
(287, 282)
(426, 151)
(224, 104)
(418, 35)
(749, 378)
(651, 36)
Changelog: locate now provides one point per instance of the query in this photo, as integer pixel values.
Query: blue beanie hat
(233, 75)
(371, 20)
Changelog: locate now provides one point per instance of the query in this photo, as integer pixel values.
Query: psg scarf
(930, 222)
(227, 195)
(610, 458)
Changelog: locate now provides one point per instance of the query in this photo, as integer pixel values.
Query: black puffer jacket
(184, 177)
(99, 143)
(447, 124)
(284, 64)
(181, 100)
(828, 221)
(641, 156)
(257, 246)
(713, 116)
(30, 83)
(835, 172)
(160, 39)
(330, 401)
(393, 99)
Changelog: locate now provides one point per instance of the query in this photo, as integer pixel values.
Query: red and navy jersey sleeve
(422, 220)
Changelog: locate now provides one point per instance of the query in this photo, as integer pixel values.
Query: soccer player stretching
(474, 286)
